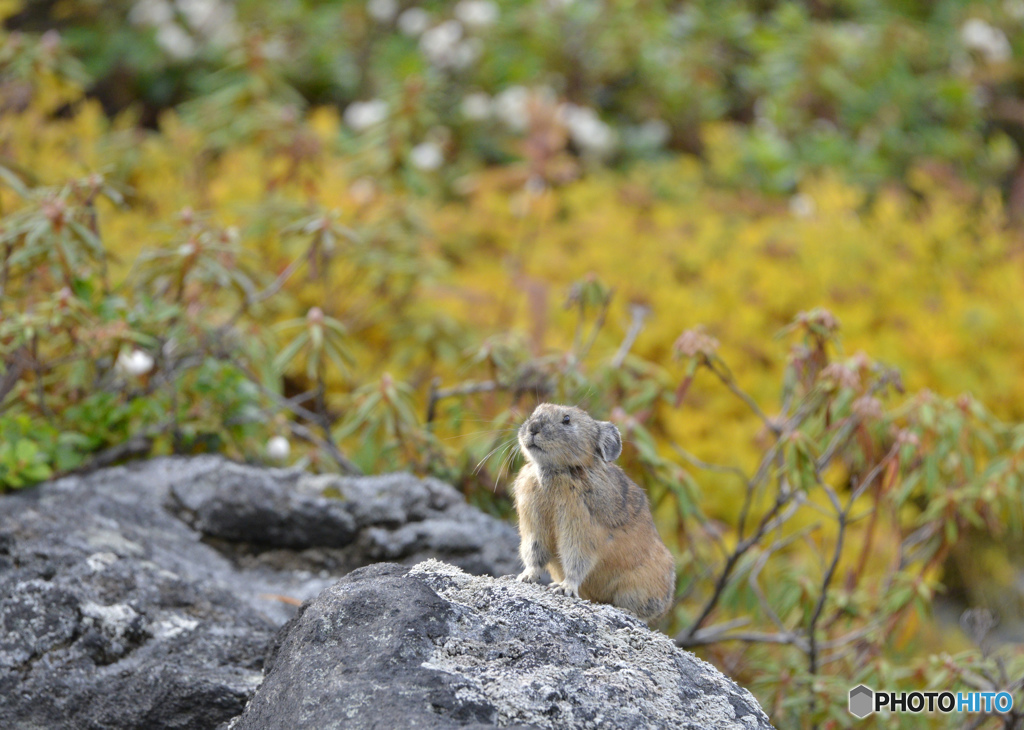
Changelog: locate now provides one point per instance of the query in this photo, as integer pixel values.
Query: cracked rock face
(147, 596)
(433, 647)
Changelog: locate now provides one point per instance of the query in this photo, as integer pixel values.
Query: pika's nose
(534, 427)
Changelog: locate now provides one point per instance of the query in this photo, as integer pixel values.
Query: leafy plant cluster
(251, 278)
(769, 92)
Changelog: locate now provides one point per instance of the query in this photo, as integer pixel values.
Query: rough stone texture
(113, 613)
(146, 596)
(342, 523)
(433, 647)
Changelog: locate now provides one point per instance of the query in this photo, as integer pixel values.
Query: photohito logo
(861, 701)
(864, 701)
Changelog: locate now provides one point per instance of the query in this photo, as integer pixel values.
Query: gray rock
(115, 615)
(263, 507)
(433, 647)
(263, 516)
(146, 596)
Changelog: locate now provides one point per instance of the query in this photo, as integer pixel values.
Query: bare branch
(438, 394)
(722, 373)
(775, 517)
(136, 447)
(273, 288)
(639, 313)
(347, 465)
(306, 434)
(755, 572)
(15, 366)
(753, 637)
(707, 466)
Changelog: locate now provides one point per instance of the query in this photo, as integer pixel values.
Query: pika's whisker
(502, 464)
(477, 433)
(490, 453)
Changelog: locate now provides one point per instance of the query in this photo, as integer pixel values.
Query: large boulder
(433, 647)
(146, 596)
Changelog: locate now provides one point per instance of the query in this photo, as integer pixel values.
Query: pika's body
(584, 520)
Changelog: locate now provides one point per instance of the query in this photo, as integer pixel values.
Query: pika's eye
(565, 420)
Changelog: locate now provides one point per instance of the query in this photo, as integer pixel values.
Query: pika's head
(563, 436)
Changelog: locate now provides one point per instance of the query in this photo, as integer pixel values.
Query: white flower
(975, 33)
(151, 12)
(653, 133)
(439, 43)
(802, 205)
(222, 29)
(466, 53)
(198, 12)
(511, 106)
(383, 11)
(135, 362)
(275, 49)
(426, 156)
(1014, 8)
(278, 448)
(173, 39)
(361, 115)
(477, 14)
(586, 129)
(985, 39)
(476, 106)
(413, 21)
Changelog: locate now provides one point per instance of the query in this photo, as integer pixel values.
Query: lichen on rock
(433, 646)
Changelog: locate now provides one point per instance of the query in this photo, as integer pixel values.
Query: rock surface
(432, 647)
(146, 596)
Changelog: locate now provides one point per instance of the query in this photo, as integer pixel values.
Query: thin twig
(306, 434)
(639, 314)
(708, 466)
(273, 288)
(14, 366)
(775, 517)
(136, 447)
(755, 637)
(755, 572)
(812, 626)
(347, 465)
(722, 373)
(439, 394)
(599, 321)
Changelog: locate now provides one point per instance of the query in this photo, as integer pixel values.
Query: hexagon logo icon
(862, 701)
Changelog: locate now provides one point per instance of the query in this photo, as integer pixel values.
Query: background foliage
(372, 236)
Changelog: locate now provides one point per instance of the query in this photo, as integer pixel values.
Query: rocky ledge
(432, 647)
(153, 596)
(146, 596)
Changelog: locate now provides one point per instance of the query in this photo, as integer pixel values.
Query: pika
(584, 520)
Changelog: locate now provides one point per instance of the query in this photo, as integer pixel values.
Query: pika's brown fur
(584, 520)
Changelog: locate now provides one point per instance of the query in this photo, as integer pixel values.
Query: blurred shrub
(769, 93)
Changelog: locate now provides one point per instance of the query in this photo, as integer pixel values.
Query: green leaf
(285, 357)
(13, 181)
(25, 450)
(88, 237)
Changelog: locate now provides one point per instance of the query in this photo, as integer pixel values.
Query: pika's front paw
(529, 576)
(566, 589)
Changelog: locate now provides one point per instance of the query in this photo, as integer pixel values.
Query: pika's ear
(609, 443)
